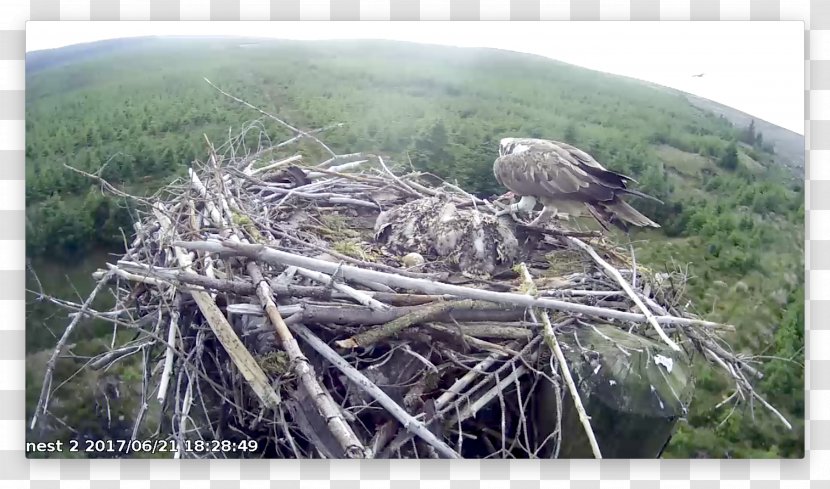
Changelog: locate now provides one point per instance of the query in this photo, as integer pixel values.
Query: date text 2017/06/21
(144, 446)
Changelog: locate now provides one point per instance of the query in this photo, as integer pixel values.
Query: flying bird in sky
(698, 76)
(567, 180)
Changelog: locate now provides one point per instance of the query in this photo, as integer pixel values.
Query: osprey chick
(475, 243)
(565, 178)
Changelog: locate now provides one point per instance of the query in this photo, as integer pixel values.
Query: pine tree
(729, 158)
(748, 135)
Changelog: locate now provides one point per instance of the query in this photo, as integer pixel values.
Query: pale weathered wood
(277, 257)
(303, 369)
(240, 355)
(615, 274)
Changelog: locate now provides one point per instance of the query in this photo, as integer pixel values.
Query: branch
(615, 274)
(276, 257)
(43, 400)
(374, 391)
(287, 125)
(553, 344)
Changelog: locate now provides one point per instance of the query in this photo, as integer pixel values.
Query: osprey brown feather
(566, 180)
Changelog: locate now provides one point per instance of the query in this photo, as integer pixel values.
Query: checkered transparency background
(17, 471)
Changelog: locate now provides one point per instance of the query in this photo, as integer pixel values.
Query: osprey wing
(550, 171)
(592, 166)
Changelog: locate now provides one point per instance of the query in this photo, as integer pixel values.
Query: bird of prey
(565, 179)
(698, 76)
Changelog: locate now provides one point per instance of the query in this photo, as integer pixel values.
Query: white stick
(488, 396)
(615, 274)
(553, 344)
(357, 295)
(168, 357)
(240, 355)
(409, 423)
(276, 164)
(338, 169)
(277, 257)
(459, 385)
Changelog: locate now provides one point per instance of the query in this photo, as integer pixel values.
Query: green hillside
(733, 217)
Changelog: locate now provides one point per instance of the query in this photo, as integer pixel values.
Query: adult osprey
(565, 179)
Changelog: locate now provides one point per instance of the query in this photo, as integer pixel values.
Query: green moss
(337, 226)
(275, 363)
(354, 249)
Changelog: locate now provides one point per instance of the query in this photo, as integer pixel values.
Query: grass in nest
(355, 250)
(337, 226)
(562, 263)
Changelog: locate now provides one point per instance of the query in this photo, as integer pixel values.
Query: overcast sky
(756, 67)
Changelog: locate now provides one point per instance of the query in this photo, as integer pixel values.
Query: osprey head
(506, 146)
(514, 146)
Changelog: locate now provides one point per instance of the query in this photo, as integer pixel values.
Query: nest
(338, 309)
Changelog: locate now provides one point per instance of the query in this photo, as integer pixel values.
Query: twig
(615, 274)
(43, 400)
(287, 125)
(301, 367)
(277, 257)
(366, 385)
(553, 343)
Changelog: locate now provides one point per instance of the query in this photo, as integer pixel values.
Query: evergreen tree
(729, 158)
(748, 136)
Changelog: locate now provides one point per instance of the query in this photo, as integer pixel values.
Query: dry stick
(301, 367)
(43, 401)
(275, 164)
(390, 329)
(553, 344)
(303, 370)
(488, 330)
(550, 339)
(168, 356)
(471, 409)
(400, 182)
(166, 277)
(289, 126)
(363, 316)
(276, 257)
(615, 274)
(751, 390)
(300, 136)
(340, 256)
(470, 338)
(466, 380)
(223, 331)
(334, 159)
(359, 296)
(159, 277)
(409, 422)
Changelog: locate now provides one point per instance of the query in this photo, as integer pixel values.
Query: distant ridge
(789, 145)
(48, 58)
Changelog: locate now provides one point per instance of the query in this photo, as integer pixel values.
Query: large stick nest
(335, 308)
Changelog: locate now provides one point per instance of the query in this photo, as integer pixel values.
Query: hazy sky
(756, 67)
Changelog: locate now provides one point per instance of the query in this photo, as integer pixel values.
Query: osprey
(566, 180)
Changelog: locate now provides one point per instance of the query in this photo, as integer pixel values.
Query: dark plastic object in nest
(291, 175)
